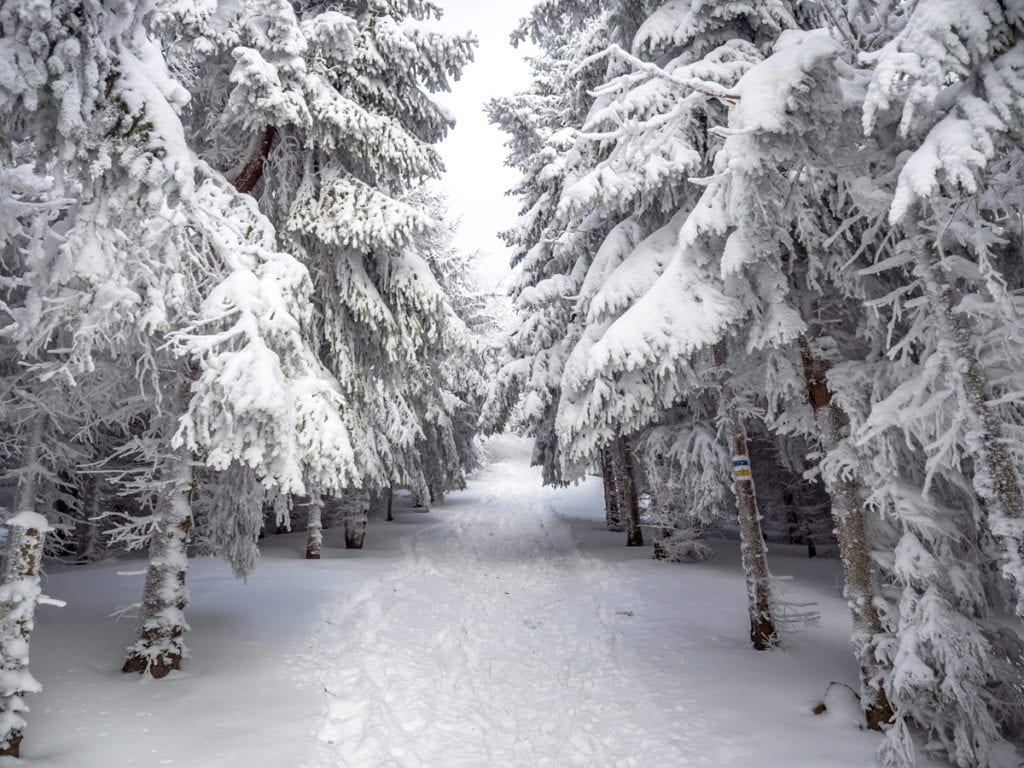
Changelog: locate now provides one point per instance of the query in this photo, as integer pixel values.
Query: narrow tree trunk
(160, 647)
(612, 512)
(997, 480)
(88, 529)
(19, 594)
(752, 547)
(627, 501)
(314, 525)
(356, 504)
(754, 553)
(391, 501)
(380, 504)
(797, 525)
(252, 171)
(847, 513)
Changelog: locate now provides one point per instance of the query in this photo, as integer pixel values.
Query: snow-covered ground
(505, 628)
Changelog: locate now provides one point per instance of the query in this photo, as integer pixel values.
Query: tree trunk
(391, 501)
(356, 506)
(626, 497)
(752, 547)
(847, 513)
(754, 553)
(798, 531)
(19, 594)
(380, 504)
(314, 525)
(252, 171)
(88, 529)
(996, 480)
(160, 647)
(612, 512)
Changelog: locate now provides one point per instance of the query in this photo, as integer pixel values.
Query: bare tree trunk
(627, 501)
(391, 501)
(612, 512)
(997, 481)
(847, 513)
(752, 547)
(161, 647)
(19, 595)
(314, 525)
(356, 505)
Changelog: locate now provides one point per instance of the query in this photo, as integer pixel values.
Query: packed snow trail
(496, 643)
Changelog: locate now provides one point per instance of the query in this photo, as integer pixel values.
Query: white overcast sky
(476, 178)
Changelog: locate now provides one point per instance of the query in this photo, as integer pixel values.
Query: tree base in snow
(354, 536)
(13, 746)
(162, 666)
(763, 635)
(843, 703)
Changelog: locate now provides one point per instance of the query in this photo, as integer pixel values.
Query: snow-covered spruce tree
(938, 416)
(324, 115)
(452, 380)
(954, 674)
(167, 276)
(645, 200)
(19, 593)
(961, 114)
(769, 277)
(655, 131)
(687, 463)
(551, 246)
(780, 260)
(26, 411)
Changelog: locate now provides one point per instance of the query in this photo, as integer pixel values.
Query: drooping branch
(252, 171)
(708, 89)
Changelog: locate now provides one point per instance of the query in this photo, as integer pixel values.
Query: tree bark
(356, 505)
(88, 530)
(314, 525)
(160, 647)
(754, 553)
(612, 512)
(627, 501)
(752, 547)
(380, 504)
(847, 513)
(252, 171)
(19, 594)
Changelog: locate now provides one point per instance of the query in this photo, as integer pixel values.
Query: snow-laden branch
(711, 90)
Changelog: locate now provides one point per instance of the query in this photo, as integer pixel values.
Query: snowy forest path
(495, 643)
